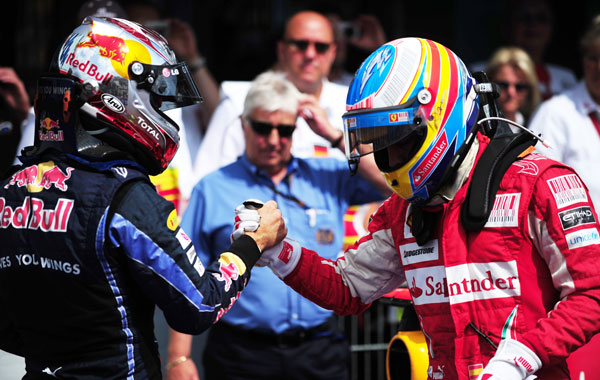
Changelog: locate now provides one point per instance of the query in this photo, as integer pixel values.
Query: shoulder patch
(576, 216)
(567, 190)
(505, 211)
(582, 238)
(173, 220)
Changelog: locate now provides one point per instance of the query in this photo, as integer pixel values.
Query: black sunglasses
(302, 45)
(520, 87)
(264, 128)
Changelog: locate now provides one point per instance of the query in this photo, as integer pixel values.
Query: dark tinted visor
(170, 86)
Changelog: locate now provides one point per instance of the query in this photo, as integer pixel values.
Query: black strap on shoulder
(501, 152)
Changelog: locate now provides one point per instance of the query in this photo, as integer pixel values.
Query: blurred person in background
(305, 54)
(570, 121)
(364, 32)
(512, 69)
(529, 24)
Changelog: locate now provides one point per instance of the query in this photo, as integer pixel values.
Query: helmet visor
(170, 86)
(381, 127)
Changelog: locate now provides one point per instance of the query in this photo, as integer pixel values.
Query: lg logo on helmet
(113, 103)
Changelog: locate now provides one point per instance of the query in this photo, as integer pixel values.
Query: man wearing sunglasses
(274, 333)
(305, 54)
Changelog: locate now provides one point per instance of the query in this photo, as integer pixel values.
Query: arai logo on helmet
(378, 63)
(113, 103)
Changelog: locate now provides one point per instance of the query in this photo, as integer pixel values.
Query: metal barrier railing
(369, 335)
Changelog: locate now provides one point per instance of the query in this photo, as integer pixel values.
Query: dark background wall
(238, 36)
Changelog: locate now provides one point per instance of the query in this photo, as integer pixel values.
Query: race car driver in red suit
(498, 245)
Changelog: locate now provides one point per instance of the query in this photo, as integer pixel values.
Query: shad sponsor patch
(505, 211)
(567, 190)
(463, 283)
(582, 238)
(413, 253)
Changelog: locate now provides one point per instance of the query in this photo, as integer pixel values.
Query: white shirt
(565, 122)
(224, 139)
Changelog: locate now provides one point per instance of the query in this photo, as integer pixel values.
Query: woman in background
(513, 70)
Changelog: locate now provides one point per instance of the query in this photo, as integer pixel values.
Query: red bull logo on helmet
(39, 177)
(111, 47)
(89, 69)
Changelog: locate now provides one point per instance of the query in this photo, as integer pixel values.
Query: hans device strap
(494, 162)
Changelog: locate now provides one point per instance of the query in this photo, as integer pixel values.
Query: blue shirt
(324, 185)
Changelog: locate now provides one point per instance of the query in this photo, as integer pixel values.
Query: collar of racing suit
(447, 192)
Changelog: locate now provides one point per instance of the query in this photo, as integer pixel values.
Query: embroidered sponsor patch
(195, 261)
(505, 211)
(464, 283)
(567, 190)
(184, 240)
(413, 253)
(286, 253)
(576, 217)
(475, 370)
(527, 167)
(173, 220)
(582, 238)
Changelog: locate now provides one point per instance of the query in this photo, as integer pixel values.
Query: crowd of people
(99, 197)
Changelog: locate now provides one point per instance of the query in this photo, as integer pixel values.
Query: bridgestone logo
(417, 252)
(412, 253)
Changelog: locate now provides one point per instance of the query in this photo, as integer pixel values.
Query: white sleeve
(548, 124)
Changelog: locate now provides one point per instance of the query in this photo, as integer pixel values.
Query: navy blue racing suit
(86, 252)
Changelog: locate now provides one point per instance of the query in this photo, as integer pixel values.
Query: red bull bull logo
(111, 47)
(46, 132)
(42, 176)
(228, 274)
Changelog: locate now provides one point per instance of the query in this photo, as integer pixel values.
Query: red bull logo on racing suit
(41, 176)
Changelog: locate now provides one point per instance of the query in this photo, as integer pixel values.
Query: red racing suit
(531, 274)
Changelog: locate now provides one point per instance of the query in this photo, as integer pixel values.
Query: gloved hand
(282, 258)
(246, 218)
(512, 361)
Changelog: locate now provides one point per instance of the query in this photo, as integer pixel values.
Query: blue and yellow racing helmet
(415, 98)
